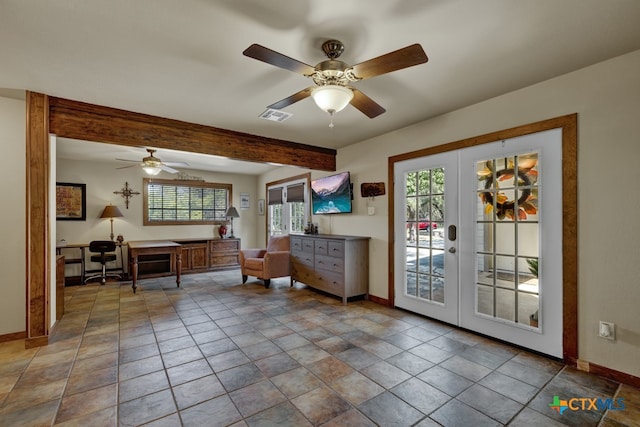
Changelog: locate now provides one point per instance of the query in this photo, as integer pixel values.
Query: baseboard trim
(36, 342)
(609, 373)
(13, 337)
(378, 300)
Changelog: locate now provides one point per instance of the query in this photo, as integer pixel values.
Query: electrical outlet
(607, 330)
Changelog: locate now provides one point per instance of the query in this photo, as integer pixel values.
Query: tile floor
(215, 352)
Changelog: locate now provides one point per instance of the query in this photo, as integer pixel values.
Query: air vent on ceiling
(275, 115)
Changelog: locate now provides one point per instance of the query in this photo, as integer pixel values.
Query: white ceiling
(74, 149)
(183, 59)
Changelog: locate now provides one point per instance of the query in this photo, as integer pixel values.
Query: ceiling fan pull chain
(331, 121)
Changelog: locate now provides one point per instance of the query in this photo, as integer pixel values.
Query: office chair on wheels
(104, 250)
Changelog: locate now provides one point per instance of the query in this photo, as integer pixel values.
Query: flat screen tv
(331, 194)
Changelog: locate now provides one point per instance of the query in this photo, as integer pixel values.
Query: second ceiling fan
(152, 165)
(332, 77)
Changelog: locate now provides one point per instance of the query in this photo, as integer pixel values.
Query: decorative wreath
(527, 203)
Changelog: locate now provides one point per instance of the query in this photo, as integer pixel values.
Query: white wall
(102, 179)
(13, 216)
(607, 98)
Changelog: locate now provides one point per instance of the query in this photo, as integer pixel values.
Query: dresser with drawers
(335, 264)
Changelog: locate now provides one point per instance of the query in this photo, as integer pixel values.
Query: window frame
(182, 183)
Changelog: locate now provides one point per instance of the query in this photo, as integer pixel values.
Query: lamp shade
(232, 213)
(151, 170)
(111, 211)
(332, 98)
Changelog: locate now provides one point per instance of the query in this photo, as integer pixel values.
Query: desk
(82, 247)
(73, 260)
(154, 247)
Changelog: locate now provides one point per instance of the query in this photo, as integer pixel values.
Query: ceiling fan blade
(392, 61)
(130, 166)
(272, 57)
(365, 104)
(166, 168)
(298, 96)
(127, 160)
(183, 164)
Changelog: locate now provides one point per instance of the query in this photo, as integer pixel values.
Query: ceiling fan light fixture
(332, 98)
(151, 170)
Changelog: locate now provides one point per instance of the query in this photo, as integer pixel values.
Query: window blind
(170, 202)
(275, 196)
(295, 193)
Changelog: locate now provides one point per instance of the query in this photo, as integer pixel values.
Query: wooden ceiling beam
(80, 120)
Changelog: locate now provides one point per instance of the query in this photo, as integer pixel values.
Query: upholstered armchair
(268, 263)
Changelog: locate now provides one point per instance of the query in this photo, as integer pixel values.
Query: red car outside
(426, 225)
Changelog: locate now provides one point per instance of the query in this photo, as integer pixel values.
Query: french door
(288, 203)
(426, 260)
(287, 218)
(478, 239)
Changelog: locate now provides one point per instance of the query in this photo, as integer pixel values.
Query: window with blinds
(288, 203)
(168, 202)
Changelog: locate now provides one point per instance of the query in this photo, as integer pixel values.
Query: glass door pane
(297, 217)
(275, 220)
(507, 247)
(424, 267)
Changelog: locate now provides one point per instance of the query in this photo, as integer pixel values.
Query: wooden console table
(154, 247)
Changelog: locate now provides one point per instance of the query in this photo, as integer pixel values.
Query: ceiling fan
(153, 165)
(332, 91)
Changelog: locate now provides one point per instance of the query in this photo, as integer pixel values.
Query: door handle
(452, 232)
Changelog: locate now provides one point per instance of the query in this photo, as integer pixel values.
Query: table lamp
(232, 213)
(111, 212)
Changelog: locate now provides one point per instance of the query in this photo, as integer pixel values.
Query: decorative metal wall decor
(126, 192)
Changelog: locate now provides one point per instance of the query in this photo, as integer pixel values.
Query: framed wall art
(71, 201)
(244, 201)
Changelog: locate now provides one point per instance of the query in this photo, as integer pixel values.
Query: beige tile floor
(215, 352)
